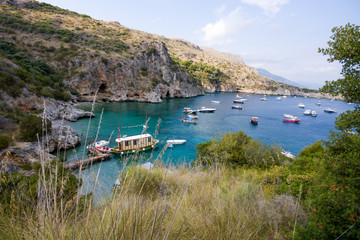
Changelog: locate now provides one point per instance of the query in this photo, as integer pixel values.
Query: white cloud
(271, 7)
(220, 32)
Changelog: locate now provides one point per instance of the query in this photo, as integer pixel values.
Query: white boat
(318, 103)
(213, 101)
(278, 98)
(307, 112)
(101, 143)
(263, 99)
(313, 113)
(284, 96)
(189, 110)
(193, 116)
(329, 110)
(291, 118)
(301, 105)
(205, 109)
(288, 154)
(239, 100)
(237, 107)
(176, 141)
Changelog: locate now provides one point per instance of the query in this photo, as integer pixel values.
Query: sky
(281, 36)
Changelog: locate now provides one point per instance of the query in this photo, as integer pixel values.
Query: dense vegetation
(201, 72)
(238, 150)
(344, 47)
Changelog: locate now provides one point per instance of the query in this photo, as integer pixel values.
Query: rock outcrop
(61, 137)
(124, 79)
(21, 156)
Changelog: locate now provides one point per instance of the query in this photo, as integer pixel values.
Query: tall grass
(169, 203)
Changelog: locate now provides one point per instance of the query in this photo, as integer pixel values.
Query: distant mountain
(277, 78)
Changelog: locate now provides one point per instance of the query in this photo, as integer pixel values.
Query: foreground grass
(171, 203)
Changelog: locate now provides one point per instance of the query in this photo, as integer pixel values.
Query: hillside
(56, 53)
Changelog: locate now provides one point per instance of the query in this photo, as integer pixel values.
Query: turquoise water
(270, 130)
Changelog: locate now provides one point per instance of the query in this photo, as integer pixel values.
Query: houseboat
(135, 143)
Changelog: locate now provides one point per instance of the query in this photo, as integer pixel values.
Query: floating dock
(83, 163)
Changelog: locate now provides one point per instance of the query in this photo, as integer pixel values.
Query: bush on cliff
(5, 141)
(32, 126)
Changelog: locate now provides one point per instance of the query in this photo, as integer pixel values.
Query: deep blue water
(270, 130)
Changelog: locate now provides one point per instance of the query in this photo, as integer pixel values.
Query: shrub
(5, 141)
(31, 126)
(144, 71)
(238, 149)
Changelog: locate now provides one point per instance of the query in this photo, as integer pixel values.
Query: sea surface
(130, 117)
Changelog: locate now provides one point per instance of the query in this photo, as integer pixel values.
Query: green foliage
(31, 126)
(155, 81)
(344, 47)
(302, 171)
(201, 72)
(22, 190)
(150, 51)
(335, 194)
(237, 150)
(5, 141)
(144, 71)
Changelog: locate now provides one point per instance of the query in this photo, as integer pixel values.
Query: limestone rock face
(62, 137)
(54, 109)
(14, 159)
(127, 79)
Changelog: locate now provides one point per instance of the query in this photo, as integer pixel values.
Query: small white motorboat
(176, 141)
(313, 113)
(329, 110)
(278, 98)
(205, 109)
(301, 105)
(288, 154)
(307, 112)
(263, 99)
(101, 143)
(213, 101)
(193, 116)
(318, 103)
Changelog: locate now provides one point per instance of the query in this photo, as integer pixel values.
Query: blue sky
(281, 36)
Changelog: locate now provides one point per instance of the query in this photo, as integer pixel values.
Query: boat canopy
(134, 137)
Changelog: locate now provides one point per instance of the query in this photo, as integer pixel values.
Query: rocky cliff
(63, 53)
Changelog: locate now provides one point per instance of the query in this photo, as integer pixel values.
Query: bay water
(130, 116)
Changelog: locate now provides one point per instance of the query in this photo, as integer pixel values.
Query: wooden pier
(97, 156)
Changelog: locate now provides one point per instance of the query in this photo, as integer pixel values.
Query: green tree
(31, 126)
(344, 47)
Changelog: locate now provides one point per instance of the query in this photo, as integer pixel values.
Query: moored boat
(213, 101)
(263, 99)
(278, 98)
(189, 120)
(239, 101)
(288, 154)
(254, 120)
(318, 103)
(132, 144)
(301, 105)
(205, 109)
(189, 110)
(313, 113)
(105, 149)
(193, 116)
(176, 141)
(307, 112)
(237, 107)
(291, 118)
(101, 143)
(329, 110)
